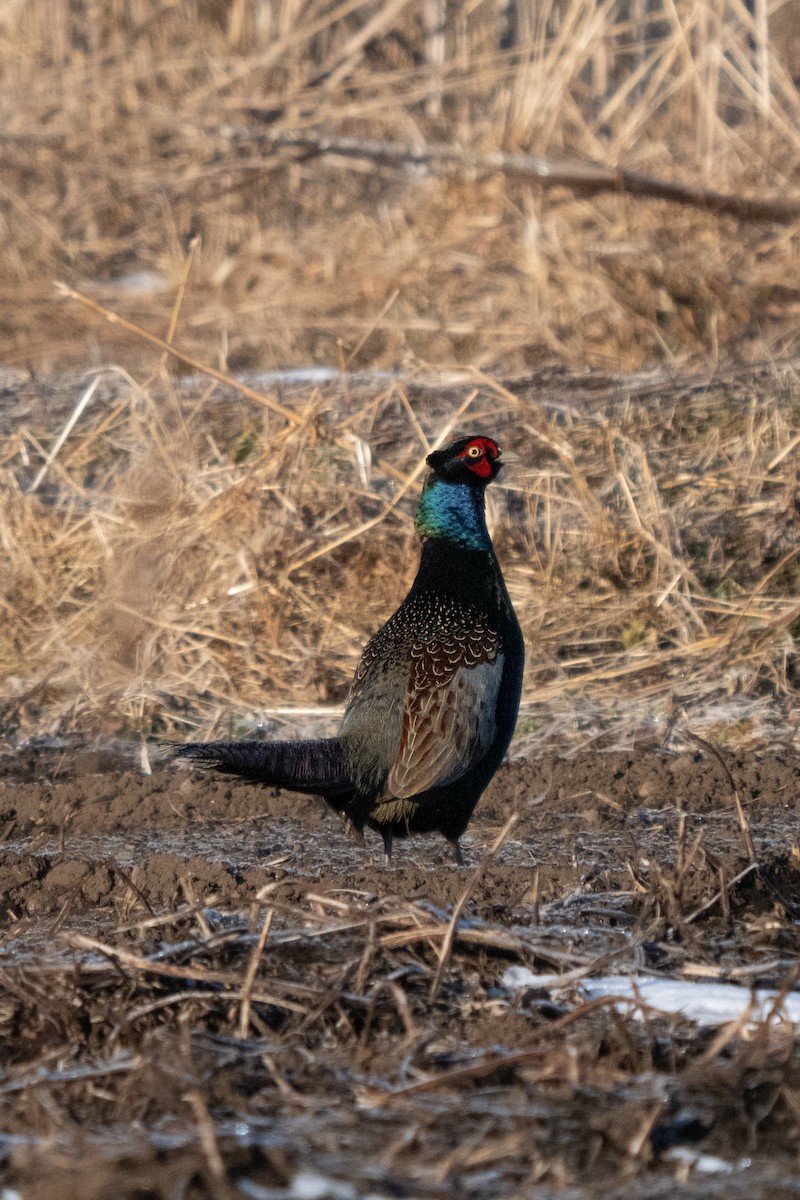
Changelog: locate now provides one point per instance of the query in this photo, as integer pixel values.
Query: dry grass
(174, 554)
(206, 1052)
(125, 134)
(188, 556)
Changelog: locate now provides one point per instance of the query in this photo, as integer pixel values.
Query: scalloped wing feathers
(446, 728)
(421, 710)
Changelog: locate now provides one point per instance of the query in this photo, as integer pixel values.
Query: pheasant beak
(508, 456)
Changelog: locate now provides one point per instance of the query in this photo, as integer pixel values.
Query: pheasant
(435, 696)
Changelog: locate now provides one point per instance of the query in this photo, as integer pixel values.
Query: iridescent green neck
(454, 511)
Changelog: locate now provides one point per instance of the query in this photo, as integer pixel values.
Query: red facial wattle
(479, 456)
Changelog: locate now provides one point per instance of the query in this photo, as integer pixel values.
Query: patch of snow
(705, 1164)
(308, 1185)
(700, 1001)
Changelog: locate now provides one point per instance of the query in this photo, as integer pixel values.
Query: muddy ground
(207, 990)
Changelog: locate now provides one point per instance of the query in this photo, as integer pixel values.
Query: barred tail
(315, 767)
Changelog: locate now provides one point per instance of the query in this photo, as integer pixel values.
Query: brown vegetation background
(118, 124)
(205, 990)
(175, 552)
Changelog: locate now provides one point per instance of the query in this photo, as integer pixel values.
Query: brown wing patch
(448, 722)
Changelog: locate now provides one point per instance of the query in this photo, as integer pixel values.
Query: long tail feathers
(315, 767)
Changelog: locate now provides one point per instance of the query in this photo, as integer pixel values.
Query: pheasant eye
(474, 451)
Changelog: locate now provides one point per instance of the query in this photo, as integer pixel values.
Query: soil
(207, 990)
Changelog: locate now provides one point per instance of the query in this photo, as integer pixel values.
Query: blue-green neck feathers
(454, 511)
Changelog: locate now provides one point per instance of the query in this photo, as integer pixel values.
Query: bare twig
(65, 432)
(477, 876)
(250, 974)
(203, 368)
(585, 179)
(722, 894)
(493, 1062)
(744, 824)
(209, 1144)
(137, 962)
